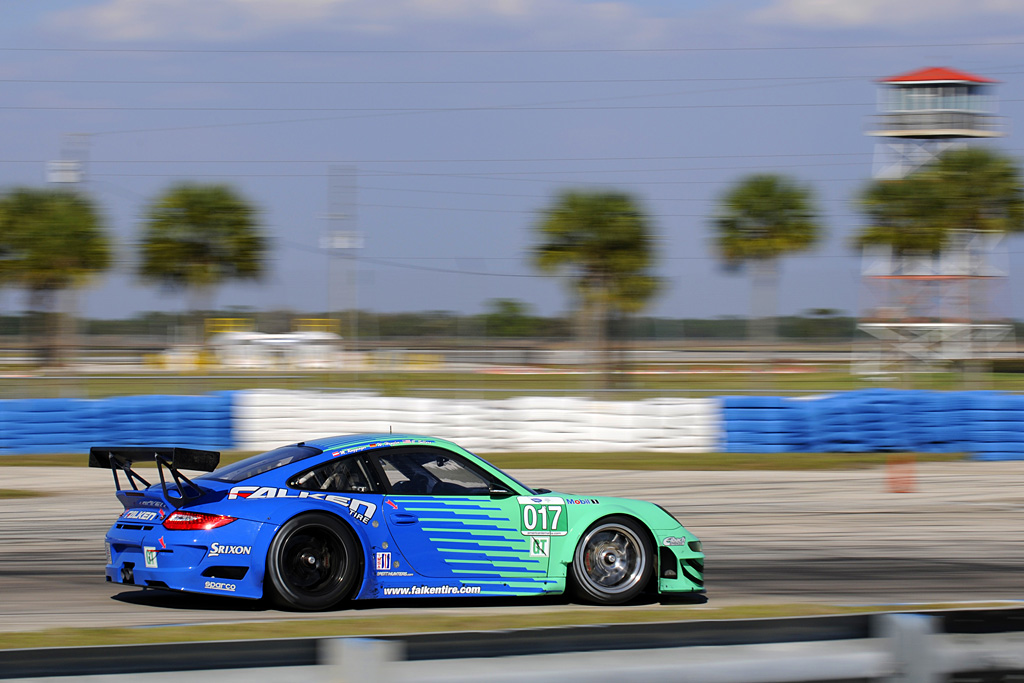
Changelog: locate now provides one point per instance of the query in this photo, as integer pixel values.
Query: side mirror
(498, 490)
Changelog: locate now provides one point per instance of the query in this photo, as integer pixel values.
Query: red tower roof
(937, 74)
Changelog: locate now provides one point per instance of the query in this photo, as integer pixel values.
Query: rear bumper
(225, 561)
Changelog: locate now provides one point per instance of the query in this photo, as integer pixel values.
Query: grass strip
(46, 460)
(370, 625)
(664, 462)
(702, 380)
(6, 494)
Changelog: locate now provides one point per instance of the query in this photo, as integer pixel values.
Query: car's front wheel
(613, 561)
(313, 563)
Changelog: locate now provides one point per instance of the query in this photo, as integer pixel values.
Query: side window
(431, 472)
(344, 475)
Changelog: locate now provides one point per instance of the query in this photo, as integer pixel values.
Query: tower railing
(957, 122)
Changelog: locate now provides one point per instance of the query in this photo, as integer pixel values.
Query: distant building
(304, 349)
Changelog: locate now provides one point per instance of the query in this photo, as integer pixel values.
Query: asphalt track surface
(834, 537)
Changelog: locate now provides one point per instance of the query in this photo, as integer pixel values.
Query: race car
(373, 516)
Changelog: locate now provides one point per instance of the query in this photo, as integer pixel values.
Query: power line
(455, 161)
(512, 160)
(508, 195)
(757, 82)
(504, 81)
(384, 172)
(545, 81)
(410, 266)
(469, 209)
(394, 262)
(425, 110)
(540, 172)
(449, 175)
(443, 110)
(397, 262)
(511, 51)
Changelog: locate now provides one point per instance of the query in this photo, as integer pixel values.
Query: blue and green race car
(374, 516)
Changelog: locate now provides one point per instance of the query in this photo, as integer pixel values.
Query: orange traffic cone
(899, 474)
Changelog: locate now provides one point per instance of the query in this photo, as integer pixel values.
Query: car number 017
(543, 516)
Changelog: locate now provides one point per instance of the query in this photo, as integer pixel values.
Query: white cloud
(135, 20)
(881, 13)
(195, 19)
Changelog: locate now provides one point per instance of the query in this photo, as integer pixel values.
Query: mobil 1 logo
(542, 516)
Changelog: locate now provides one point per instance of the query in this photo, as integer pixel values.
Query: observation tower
(931, 307)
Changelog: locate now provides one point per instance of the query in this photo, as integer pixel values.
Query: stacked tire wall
(265, 419)
(763, 424)
(62, 425)
(986, 425)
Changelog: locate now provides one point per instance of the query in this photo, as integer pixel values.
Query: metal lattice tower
(342, 242)
(931, 308)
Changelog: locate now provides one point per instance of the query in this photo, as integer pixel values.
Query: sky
(439, 130)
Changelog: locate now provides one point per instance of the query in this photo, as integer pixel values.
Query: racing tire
(613, 561)
(313, 563)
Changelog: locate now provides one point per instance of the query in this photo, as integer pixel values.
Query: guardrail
(958, 646)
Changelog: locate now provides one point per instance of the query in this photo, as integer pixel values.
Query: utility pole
(342, 242)
(69, 170)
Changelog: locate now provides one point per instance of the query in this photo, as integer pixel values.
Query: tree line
(195, 237)
(604, 242)
(503, 319)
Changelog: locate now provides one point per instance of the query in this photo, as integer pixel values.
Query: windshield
(264, 462)
(506, 474)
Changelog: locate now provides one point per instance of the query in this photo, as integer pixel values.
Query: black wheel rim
(313, 560)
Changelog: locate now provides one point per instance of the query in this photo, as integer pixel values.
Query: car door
(447, 523)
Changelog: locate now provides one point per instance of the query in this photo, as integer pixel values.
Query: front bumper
(680, 565)
(229, 560)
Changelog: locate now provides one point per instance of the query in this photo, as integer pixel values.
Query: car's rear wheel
(613, 561)
(313, 563)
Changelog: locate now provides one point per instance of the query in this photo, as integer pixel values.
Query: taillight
(195, 521)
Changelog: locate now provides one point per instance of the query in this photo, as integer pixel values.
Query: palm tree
(761, 219)
(51, 241)
(603, 242)
(982, 190)
(963, 192)
(197, 237)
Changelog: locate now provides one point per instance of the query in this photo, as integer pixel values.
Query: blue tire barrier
(986, 424)
(73, 425)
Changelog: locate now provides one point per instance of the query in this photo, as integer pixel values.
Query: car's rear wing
(171, 458)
